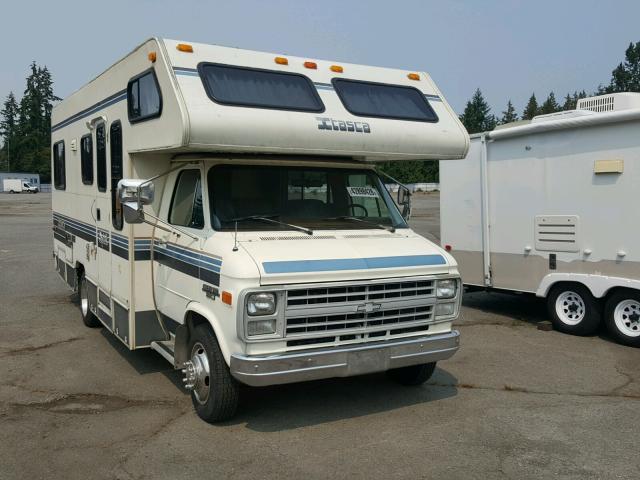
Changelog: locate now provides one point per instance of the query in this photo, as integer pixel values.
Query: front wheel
(214, 392)
(413, 375)
(622, 317)
(573, 309)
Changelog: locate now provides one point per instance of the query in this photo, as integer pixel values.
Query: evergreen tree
(532, 109)
(626, 76)
(509, 115)
(9, 127)
(476, 117)
(550, 105)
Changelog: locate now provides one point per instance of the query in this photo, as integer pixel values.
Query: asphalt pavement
(515, 402)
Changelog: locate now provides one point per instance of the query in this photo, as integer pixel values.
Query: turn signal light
(312, 65)
(413, 76)
(226, 297)
(281, 61)
(152, 56)
(336, 68)
(184, 47)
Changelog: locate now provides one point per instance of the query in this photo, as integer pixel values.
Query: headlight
(261, 327)
(445, 309)
(446, 288)
(261, 304)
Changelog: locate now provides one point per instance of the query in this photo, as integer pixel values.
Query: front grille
(355, 313)
(359, 293)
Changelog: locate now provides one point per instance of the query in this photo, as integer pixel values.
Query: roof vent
(612, 102)
(560, 115)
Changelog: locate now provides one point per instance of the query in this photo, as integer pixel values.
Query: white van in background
(551, 207)
(15, 185)
(222, 207)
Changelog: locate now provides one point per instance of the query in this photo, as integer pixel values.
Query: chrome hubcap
(196, 373)
(84, 300)
(627, 317)
(570, 308)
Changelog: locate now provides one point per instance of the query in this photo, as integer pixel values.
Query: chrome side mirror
(140, 192)
(132, 214)
(404, 200)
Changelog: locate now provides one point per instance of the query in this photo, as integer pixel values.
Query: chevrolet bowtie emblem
(369, 307)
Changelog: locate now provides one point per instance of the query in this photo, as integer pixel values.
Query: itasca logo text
(326, 123)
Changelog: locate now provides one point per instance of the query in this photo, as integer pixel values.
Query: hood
(284, 258)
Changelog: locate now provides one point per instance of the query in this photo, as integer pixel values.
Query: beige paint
(525, 272)
(608, 166)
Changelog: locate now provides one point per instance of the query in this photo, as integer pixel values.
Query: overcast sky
(506, 48)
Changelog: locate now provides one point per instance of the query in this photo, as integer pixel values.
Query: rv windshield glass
(294, 197)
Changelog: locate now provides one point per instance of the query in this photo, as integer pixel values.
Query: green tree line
(25, 125)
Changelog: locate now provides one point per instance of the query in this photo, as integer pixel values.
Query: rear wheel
(622, 317)
(88, 318)
(214, 392)
(413, 375)
(573, 309)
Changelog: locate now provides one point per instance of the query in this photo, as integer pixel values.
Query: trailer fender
(599, 285)
(209, 316)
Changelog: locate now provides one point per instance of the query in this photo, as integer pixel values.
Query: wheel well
(614, 290)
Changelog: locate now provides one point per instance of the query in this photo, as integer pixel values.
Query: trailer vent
(612, 102)
(557, 233)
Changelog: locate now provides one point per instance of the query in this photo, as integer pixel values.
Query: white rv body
(551, 201)
(205, 274)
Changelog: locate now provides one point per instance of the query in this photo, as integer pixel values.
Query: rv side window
(368, 99)
(252, 87)
(144, 101)
(86, 159)
(186, 204)
(101, 155)
(59, 172)
(115, 143)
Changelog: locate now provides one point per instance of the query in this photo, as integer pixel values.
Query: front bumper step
(344, 361)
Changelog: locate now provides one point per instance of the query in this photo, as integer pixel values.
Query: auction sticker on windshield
(369, 192)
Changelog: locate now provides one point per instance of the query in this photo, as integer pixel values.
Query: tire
(413, 375)
(88, 318)
(622, 317)
(573, 309)
(216, 393)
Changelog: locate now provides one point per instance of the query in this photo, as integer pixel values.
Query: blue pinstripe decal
(294, 266)
(107, 102)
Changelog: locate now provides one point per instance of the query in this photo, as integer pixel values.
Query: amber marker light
(336, 68)
(152, 56)
(184, 47)
(413, 76)
(281, 61)
(312, 65)
(227, 298)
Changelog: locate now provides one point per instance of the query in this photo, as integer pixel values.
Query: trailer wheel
(412, 375)
(88, 318)
(214, 392)
(573, 309)
(622, 317)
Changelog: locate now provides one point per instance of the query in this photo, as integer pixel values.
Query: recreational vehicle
(550, 207)
(222, 207)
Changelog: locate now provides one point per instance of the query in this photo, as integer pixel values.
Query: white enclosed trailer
(550, 207)
(259, 246)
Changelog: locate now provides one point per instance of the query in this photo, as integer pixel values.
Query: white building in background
(30, 178)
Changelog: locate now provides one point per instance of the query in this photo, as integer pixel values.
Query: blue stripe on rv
(299, 266)
(111, 100)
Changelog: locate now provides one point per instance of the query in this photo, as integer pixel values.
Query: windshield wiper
(270, 219)
(391, 229)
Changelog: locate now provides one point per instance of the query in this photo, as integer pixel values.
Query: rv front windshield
(257, 197)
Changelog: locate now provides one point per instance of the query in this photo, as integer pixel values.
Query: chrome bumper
(345, 361)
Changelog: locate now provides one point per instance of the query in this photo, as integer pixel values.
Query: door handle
(98, 214)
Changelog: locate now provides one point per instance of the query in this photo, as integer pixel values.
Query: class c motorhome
(222, 207)
(550, 207)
